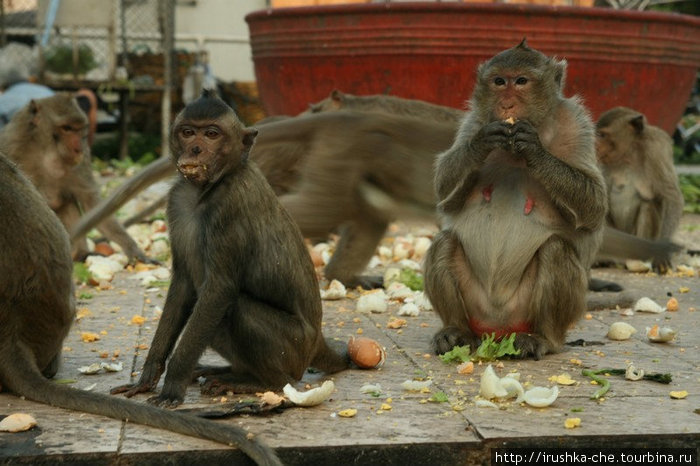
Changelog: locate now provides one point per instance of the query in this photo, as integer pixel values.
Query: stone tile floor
(415, 430)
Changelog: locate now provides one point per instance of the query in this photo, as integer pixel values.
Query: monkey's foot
(449, 337)
(531, 346)
(596, 284)
(165, 400)
(368, 282)
(204, 371)
(235, 383)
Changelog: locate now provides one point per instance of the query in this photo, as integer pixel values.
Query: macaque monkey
(37, 308)
(243, 281)
(47, 140)
(523, 205)
(353, 172)
(390, 105)
(644, 197)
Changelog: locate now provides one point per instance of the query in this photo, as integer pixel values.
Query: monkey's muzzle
(193, 171)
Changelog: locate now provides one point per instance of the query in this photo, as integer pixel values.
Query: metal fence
(82, 39)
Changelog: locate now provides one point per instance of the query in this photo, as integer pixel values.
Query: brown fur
(243, 282)
(389, 158)
(523, 208)
(47, 139)
(644, 196)
(37, 308)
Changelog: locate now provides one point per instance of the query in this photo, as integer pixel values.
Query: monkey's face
(510, 91)
(70, 139)
(201, 148)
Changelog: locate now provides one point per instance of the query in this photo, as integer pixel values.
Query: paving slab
(415, 430)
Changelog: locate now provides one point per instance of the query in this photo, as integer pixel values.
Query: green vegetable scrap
(605, 383)
(491, 349)
(411, 279)
(488, 350)
(458, 353)
(438, 397)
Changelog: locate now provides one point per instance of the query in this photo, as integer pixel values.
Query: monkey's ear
(34, 111)
(249, 137)
(638, 123)
(560, 72)
(337, 95)
(523, 44)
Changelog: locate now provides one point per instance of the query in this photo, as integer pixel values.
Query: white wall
(222, 27)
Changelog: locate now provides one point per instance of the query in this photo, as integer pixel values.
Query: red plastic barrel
(429, 51)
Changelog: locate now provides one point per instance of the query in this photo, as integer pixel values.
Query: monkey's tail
(28, 382)
(154, 172)
(620, 245)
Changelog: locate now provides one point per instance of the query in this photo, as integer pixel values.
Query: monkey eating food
(47, 140)
(523, 209)
(243, 282)
(37, 308)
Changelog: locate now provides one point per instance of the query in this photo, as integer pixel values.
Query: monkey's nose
(196, 150)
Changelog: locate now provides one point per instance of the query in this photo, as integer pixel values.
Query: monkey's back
(35, 268)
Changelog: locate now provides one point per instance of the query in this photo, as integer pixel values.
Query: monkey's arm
(178, 303)
(456, 171)
(579, 195)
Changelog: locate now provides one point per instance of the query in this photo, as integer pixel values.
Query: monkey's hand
(526, 141)
(494, 135)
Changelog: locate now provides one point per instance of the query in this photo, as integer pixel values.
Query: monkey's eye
(211, 133)
(187, 132)
(521, 80)
(66, 128)
(499, 81)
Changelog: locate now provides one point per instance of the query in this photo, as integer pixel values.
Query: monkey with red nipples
(523, 205)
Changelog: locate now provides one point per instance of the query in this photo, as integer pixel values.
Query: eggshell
(366, 353)
(17, 422)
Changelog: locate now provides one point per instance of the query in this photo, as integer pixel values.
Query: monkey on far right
(636, 158)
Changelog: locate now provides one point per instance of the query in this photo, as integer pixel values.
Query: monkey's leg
(557, 300)
(266, 346)
(441, 286)
(358, 241)
(649, 225)
(69, 214)
(318, 213)
(597, 284)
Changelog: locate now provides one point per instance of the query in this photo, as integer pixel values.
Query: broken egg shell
(540, 397)
(91, 369)
(366, 353)
(375, 301)
(17, 422)
(416, 385)
(112, 366)
(409, 309)
(485, 404)
(621, 331)
(660, 335)
(632, 373)
(312, 397)
(335, 290)
(648, 305)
